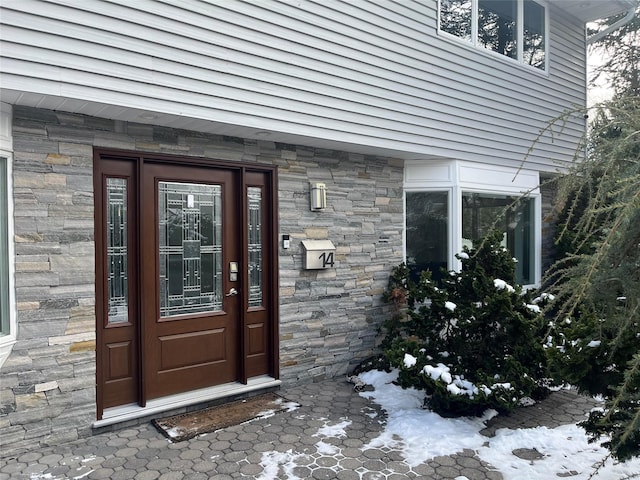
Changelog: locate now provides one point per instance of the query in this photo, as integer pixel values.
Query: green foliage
(621, 420)
(579, 352)
(593, 338)
(600, 275)
(471, 341)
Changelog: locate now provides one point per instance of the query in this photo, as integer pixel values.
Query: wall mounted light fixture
(318, 192)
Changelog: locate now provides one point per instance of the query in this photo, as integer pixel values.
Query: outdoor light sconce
(318, 199)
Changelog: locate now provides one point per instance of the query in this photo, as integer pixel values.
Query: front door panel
(191, 325)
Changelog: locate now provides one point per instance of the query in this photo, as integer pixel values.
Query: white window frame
(6, 151)
(519, 60)
(456, 177)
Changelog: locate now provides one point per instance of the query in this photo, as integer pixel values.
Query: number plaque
(319, 254)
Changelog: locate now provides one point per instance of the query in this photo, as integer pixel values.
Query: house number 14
(327, 259)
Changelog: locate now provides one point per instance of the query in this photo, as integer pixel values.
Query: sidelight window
(117, 251)
(254, 195)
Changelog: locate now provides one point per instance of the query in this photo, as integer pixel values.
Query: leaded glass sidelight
(190, 239)
(117, 277)
(254, 196)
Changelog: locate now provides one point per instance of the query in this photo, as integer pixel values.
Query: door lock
(233, 271)
(232, 293)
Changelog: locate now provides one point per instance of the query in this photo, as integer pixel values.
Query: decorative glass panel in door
(117, 279)
(190, 243)
(254, 195)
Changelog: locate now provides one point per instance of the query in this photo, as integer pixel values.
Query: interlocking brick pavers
(325, 438)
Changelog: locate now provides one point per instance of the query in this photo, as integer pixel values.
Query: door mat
(187, 425)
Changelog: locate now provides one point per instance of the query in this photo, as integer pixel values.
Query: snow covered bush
(472, 341)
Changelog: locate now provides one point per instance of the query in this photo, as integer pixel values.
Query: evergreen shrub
(471, 341)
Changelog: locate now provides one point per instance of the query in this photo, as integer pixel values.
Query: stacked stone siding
(328, 319)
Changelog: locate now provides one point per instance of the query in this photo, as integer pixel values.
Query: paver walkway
(296, 444)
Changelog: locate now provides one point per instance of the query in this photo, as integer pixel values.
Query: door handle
(232, 293)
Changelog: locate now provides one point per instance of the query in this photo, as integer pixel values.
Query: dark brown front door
(190, 303)
(185, 296)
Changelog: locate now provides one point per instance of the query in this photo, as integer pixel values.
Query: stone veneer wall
(328, 319)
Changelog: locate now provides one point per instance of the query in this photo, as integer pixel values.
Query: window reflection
(455, 18)
(427, 229)
(533, 35)
(427, 232)
(497, 26)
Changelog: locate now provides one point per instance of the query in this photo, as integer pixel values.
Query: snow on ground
(272, 462)
(335, 431)
(279, 465)
(422, 435)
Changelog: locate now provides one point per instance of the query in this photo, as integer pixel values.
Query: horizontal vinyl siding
(375, 72)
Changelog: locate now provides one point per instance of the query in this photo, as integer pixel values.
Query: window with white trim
(7, 297)
(4, 249)
(427, 219)
(516, 29)
(450, 204)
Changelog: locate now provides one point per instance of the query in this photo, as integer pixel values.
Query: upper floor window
(514, 28)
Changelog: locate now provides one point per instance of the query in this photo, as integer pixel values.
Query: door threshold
(133, 411)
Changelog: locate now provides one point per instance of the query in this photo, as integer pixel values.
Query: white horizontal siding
(371, 73)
